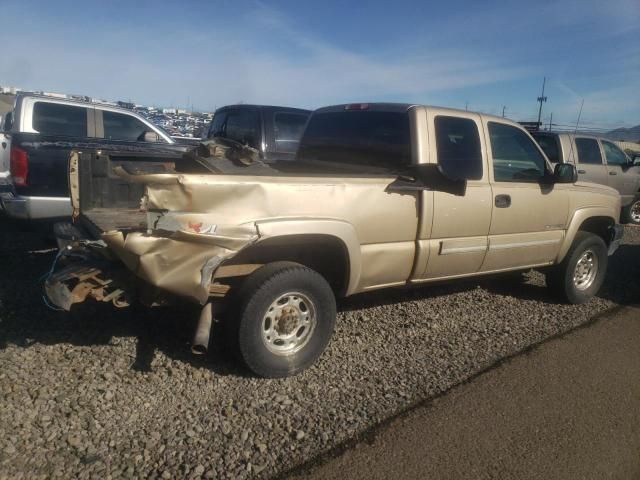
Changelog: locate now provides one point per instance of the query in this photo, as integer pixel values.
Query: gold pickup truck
(380, 195)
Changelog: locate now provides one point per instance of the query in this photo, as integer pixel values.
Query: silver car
(598, 160)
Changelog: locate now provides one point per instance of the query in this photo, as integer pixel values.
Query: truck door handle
(503, 201)
(582, 171)
(613, 173)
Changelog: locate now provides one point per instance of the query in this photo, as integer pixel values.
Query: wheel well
(599, 226)
(325, 254)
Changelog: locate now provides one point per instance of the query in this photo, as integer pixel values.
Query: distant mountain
(625, 134)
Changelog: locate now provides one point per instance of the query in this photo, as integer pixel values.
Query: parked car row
(377, 196)
(599, 161)
(40, 132)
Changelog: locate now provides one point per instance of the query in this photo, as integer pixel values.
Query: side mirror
(427, 176)
(150, 136)
(565, 173)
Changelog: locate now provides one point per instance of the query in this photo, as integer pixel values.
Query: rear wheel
(285, 318)
(631, 213)
(581, 274)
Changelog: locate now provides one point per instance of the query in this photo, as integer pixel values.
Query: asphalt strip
(567, 407)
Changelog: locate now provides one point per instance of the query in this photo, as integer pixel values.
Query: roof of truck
(55, 98)
(263, 107)
(570, 134)
(377, 106)
(403, 107)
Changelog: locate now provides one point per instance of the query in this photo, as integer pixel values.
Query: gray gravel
(112, 394)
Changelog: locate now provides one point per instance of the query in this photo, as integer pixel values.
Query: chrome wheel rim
(635, 212)
(586, 270)
(289, 323)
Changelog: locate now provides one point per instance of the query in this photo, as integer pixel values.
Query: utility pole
(550, 121)
(503, 109)
(466, 105)
(541, 99)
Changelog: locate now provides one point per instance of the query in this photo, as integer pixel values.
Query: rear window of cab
(358, 138)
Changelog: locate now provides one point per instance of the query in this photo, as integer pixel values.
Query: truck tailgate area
(108, 219)
(108, 201)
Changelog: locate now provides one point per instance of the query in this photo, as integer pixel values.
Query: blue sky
(490, 54)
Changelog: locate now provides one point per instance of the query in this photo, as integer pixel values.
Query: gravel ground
(116, 394)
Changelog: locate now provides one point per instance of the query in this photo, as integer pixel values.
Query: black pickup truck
(44, 130)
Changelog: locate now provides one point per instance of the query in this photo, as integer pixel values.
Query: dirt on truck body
(380, 195)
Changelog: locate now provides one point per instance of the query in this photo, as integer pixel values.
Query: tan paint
(578, 219)
(178, 263)
(341, 230)
(457, 221)
(386, 264)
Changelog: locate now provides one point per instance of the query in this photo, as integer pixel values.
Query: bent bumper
(616, 232)
(36, 208)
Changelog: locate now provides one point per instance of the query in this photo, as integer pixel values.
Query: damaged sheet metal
(197, 222)
(76, 282)
(180, 262)
(194, 221)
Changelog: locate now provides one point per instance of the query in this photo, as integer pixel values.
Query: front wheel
(286, 315)
(631, 213)
(581, 274)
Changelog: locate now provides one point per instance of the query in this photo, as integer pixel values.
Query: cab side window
(588, 151)
(458, 146)
(614, 155)
(59, 119)
(243, 126)
(288, 129)
(118, 126)
(515, 156)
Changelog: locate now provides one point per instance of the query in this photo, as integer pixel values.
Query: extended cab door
(590, 166)
(529, 216)
(457, 240)
(621, 177)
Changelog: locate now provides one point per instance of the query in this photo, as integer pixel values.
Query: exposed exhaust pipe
(200, 343)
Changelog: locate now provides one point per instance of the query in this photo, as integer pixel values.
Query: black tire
(255, 297)
(631, 213)
(560, 279)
